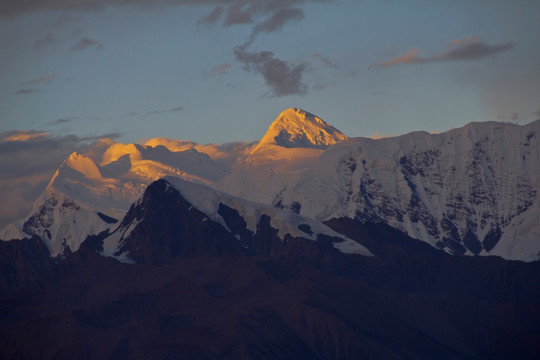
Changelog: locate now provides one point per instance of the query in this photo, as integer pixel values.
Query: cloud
(411, 57)
(464, 41)
(468, 49)
(12, 8)
(132, 114)
(324, 60)
(40, 80)
(282, 78)
(236, 14)
(45, 41)
(237, 11)
(26, 91)
(536, 113)
(62, 121)
(85, 43)
(278, 20)
(23, 135)
(267, 15)
(220, 69)
(156, 112)
(29, 159)
(473, 51)
(320, 87)
(213, 17)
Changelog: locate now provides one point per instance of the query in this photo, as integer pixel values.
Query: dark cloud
(473, 51)
(9, 8)
(26, 91)
(237, 14)
(213, 17)
(282, 78)
(279, 19)
(236, 11)
(40, 80)
(468, 49)
(85, 43)
(268, 15)
(45, 41)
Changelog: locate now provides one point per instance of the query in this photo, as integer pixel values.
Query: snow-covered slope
(293, 143)
(295, 128)
(471, 190)
(84, 198)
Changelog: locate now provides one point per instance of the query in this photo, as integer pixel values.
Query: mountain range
(306, 244)
(466, 191)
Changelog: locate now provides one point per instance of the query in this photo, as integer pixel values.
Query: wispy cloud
(62, 121)
(213, 17)
(267, 15)
(468, 49)
(40, 80)
(220, 69)
(86, 43)
(47, 40)
(281, 77)
(320, 87)
(238, 14)
(264, 16)
(22, 135)
(157, 112)
(237, 10)
(26, 91)
(324, 60)
(277, 20)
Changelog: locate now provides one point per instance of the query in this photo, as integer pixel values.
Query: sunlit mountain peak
(295, 128)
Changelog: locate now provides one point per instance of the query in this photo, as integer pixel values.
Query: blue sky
(221, 71)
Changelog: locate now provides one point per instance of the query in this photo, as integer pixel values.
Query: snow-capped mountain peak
(295, 128)
(83, 164)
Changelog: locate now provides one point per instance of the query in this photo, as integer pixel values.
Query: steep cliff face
(469, 191)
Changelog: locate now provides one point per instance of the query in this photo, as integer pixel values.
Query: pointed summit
(295, 128)
(83, 164)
